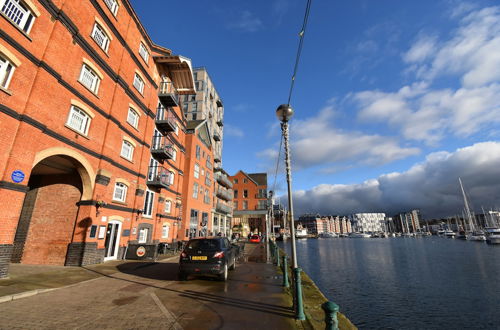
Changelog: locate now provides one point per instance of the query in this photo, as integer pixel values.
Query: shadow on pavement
(141, 269)
(162, 270)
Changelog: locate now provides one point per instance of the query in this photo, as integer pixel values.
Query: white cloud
(247, 21)
(431, 186)
(424, 113)
(421, 50)
(231, 130)
(316, 142)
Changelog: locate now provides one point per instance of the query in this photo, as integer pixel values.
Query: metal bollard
(299, 308)
(331, 321)
(285, 273)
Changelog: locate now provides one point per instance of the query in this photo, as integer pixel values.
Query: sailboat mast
(467, 209)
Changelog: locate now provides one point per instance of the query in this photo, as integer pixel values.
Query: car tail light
(183, 255)
(219, 255)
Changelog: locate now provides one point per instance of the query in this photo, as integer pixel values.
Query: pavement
(145, 295)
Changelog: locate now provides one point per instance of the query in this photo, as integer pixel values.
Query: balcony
(162, 148)
(261, 196)
(224, 194)
(216, 136)
(217, 159)
(219, 122)
(223, 180)
(165, 120)
(168, 94)
(223, 208)
(158, 177)
(261, 207)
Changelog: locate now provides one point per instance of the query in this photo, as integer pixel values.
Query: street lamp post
(284, 113)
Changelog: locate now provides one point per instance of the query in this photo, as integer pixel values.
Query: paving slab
(147, 295)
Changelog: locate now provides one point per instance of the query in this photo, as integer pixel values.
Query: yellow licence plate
(199, 258)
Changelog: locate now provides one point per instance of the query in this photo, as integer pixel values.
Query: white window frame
(165, 231)
(176, 129)
(168, 206)
(171, 178)
(127, 151)
(149, 200)
(133, 117)
(143, 51)
(196, 171)
(138, 83)
(143, 235)
(89, 78)
(6, 71)
(174, 154)
(78, 120)
(100, 37)
(112, 6)
(18, 13)
(195, 190)
(120, 192)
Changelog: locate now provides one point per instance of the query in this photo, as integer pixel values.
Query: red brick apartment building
(197, 200)
(91, 161)
(250, 202)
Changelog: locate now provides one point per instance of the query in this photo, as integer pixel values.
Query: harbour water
(407, 283)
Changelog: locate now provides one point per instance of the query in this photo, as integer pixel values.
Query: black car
(208, 256)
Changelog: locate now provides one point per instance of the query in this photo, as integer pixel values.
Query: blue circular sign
(17, 176)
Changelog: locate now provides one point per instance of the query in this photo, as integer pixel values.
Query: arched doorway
(50, 210)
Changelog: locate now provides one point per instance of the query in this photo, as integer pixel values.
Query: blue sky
(385, 90)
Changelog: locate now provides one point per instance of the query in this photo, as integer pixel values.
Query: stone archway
(57, 183)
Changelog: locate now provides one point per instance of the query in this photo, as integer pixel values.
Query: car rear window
(255, 237)
(204, 244)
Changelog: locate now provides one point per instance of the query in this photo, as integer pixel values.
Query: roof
(260, 178)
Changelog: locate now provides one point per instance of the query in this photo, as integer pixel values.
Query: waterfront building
(222, 211)
(345, 225)
(407, 222)
(250, 201)
(368, 222)
(198, 174)
(93, 138)
(207, 105)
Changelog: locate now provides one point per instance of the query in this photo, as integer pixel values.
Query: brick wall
(53, 219)
(81, 254)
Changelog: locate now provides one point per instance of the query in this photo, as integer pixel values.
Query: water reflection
(407, 282)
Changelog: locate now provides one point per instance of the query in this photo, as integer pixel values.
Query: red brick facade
(77, 120)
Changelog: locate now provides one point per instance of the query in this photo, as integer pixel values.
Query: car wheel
(183, 276)
(233, 266)
(223, 276)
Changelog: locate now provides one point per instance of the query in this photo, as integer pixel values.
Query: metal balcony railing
(158, 177)
(225, 194)
(162, 148)
(223, 208)
(168, 94)
(261, 207)
(216, 136)
(223, 180)
(260, 196)
(219, 122)
(165, 120)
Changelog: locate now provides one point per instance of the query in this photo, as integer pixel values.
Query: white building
(368, 222)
